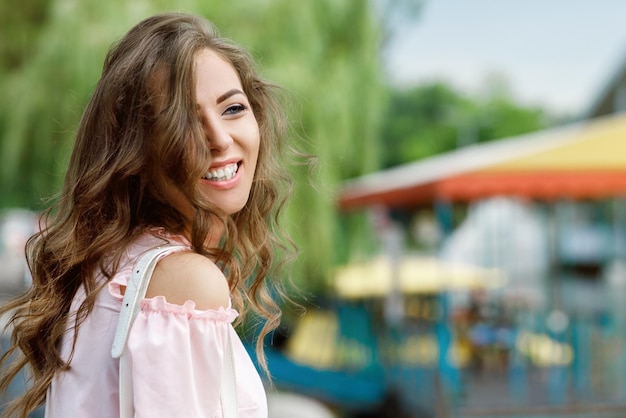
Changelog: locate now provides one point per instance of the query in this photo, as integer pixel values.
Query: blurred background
(463, 238)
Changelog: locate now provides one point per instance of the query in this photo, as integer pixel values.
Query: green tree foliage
(434, 118)
(324, 52)
(20, 23)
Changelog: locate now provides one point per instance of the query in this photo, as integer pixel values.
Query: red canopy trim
(535, 185)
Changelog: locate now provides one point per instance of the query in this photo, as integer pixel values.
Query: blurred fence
(455, 369)
(524, 370)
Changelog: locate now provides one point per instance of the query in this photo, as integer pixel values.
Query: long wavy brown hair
(139, 133)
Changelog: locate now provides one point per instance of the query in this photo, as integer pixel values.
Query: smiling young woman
(179, 148)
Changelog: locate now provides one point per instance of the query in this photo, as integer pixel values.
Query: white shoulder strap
(229, 384)
(135, 292)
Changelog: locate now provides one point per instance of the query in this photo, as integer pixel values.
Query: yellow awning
(585, 160)
(596, 145)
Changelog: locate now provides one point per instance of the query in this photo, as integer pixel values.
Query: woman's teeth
(222, 173)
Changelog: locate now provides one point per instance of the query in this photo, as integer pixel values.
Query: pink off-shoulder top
(176, 354)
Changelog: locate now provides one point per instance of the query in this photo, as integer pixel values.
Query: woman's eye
(234, 109)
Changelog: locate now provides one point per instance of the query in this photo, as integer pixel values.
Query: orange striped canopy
(585, 160)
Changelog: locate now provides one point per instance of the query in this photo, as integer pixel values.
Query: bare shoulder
(184, 276)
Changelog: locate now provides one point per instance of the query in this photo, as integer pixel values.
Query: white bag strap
(135, 292)
(229, 384)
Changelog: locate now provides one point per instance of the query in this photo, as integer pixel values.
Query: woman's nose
(218, 136)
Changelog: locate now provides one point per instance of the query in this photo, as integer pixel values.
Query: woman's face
(231, 131)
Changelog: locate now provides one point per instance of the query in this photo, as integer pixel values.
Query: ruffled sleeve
(177, 356)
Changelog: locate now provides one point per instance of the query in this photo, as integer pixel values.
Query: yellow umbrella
(416, 275)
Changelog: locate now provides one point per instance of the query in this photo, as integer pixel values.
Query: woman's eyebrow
(229, 93)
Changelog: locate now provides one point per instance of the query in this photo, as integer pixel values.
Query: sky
(557, 54)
